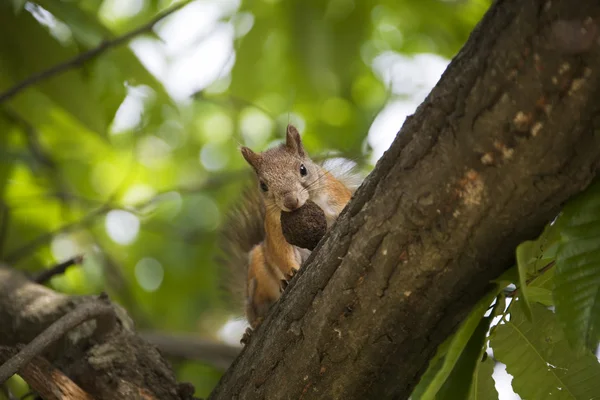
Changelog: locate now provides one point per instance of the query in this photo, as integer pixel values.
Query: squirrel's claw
(283, 286)
(246, 336)
(249, 331)
(286, 280)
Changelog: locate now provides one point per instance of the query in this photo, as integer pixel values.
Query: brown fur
(242, 230)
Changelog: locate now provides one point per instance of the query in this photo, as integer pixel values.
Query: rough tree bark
(510, 132)
(119, 366)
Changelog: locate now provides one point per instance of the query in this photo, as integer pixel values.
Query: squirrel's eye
(303, 170)
(264, 187)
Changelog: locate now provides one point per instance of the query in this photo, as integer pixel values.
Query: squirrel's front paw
(246, 336)
(249, 331)
(286, 280)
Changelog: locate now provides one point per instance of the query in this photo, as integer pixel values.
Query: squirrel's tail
(344, 170)
(242, 230)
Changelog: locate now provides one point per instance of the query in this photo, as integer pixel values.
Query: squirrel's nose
(290, 201)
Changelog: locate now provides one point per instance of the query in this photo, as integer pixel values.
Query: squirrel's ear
(293, 141)
(251, 157)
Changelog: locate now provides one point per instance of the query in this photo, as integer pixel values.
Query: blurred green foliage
(143, 200)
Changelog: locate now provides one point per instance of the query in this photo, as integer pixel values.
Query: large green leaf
(539, 358)
(483, 386)
(458, 383)
(524, 253)
(577, 278)
(468, 376)
(457, 345)
(435, 365)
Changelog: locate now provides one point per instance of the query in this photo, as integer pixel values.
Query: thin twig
(58, 269)
(82, 58)
(99, 310)
(540, 272)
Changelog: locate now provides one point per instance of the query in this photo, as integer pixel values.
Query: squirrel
(253, 244)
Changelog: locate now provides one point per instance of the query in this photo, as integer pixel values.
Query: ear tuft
(293, 142)
(251, 157)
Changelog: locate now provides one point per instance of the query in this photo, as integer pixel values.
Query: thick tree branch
(86, 56)
(107, 365)
(101, 311)
(48, 381)
(505, 138)
(190, 347)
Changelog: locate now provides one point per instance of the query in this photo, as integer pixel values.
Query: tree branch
(46, 380)
(86, 56)
(58, 269)
(109, 366)
(538, 273)
(190, 347)
(98, 310)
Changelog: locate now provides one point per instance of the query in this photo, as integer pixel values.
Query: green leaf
(458, 343)
(525, 253)
(483, 386)
(540, 289)
(459, 382)
(544, 280)
(31, 50)
(108, 72)
(577, 277)
(84, 26)
(533, 255)
(541, 361)
(541, 295)
(435, 365)
(465, 372)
